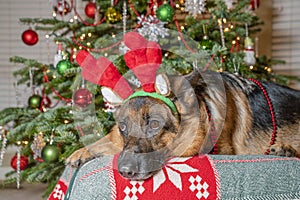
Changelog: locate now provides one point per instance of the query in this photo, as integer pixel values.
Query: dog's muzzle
(140, 166)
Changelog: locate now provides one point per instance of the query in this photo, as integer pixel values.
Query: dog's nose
(128, 170)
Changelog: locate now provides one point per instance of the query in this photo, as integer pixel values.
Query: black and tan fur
(148, 133)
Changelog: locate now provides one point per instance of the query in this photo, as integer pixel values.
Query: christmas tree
(210, 34)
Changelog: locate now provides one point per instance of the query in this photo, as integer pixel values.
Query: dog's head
(148, 126)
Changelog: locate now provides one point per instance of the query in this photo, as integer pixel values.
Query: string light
(268, 69)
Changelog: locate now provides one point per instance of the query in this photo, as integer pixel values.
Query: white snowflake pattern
(172, 168)
(199, 187)
(152, 27)
(195, 7)
(58, 193)
(137, 187)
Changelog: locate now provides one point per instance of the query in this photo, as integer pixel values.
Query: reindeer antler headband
(143, 58)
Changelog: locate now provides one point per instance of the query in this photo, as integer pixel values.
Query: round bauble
(165, 13)
(254, 4)
(30, 37)
(206, 44)
(50, 153)
(63, 7)
(34, 101)
(90, 9)
(82, 97)
(112, 15)
(23, 162)
(62, 66)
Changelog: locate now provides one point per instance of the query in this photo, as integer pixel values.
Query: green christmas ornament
(62, 66)
(206, 44)
(50, 153)
(34, 101)
(165, 13)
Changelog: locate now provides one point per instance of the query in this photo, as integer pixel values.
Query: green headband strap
(155, 95)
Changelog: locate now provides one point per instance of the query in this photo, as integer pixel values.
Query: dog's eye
(122, 127)
(154, 124)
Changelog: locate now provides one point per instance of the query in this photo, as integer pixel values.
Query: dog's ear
(110, 96)
(162, 85)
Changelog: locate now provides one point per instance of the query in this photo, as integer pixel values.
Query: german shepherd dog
(246, 116)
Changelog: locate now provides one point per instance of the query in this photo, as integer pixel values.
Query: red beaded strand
(46, 80)
(212, 133)
(273, 138)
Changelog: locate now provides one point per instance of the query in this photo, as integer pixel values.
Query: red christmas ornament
(30, 37)
(254, 4)
(63, 7)
(90, 9)
(23, 162)
(82, 97)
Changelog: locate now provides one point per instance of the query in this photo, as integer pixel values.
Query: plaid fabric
(198, 177)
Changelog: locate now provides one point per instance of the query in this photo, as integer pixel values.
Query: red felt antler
(104, 73)
(143, 58)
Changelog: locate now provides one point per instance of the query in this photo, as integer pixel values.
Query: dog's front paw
(283, 150)
(79, 157)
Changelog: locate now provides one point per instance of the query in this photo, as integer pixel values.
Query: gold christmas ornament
(112, 15)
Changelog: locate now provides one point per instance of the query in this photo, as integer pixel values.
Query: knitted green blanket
(198, 177)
